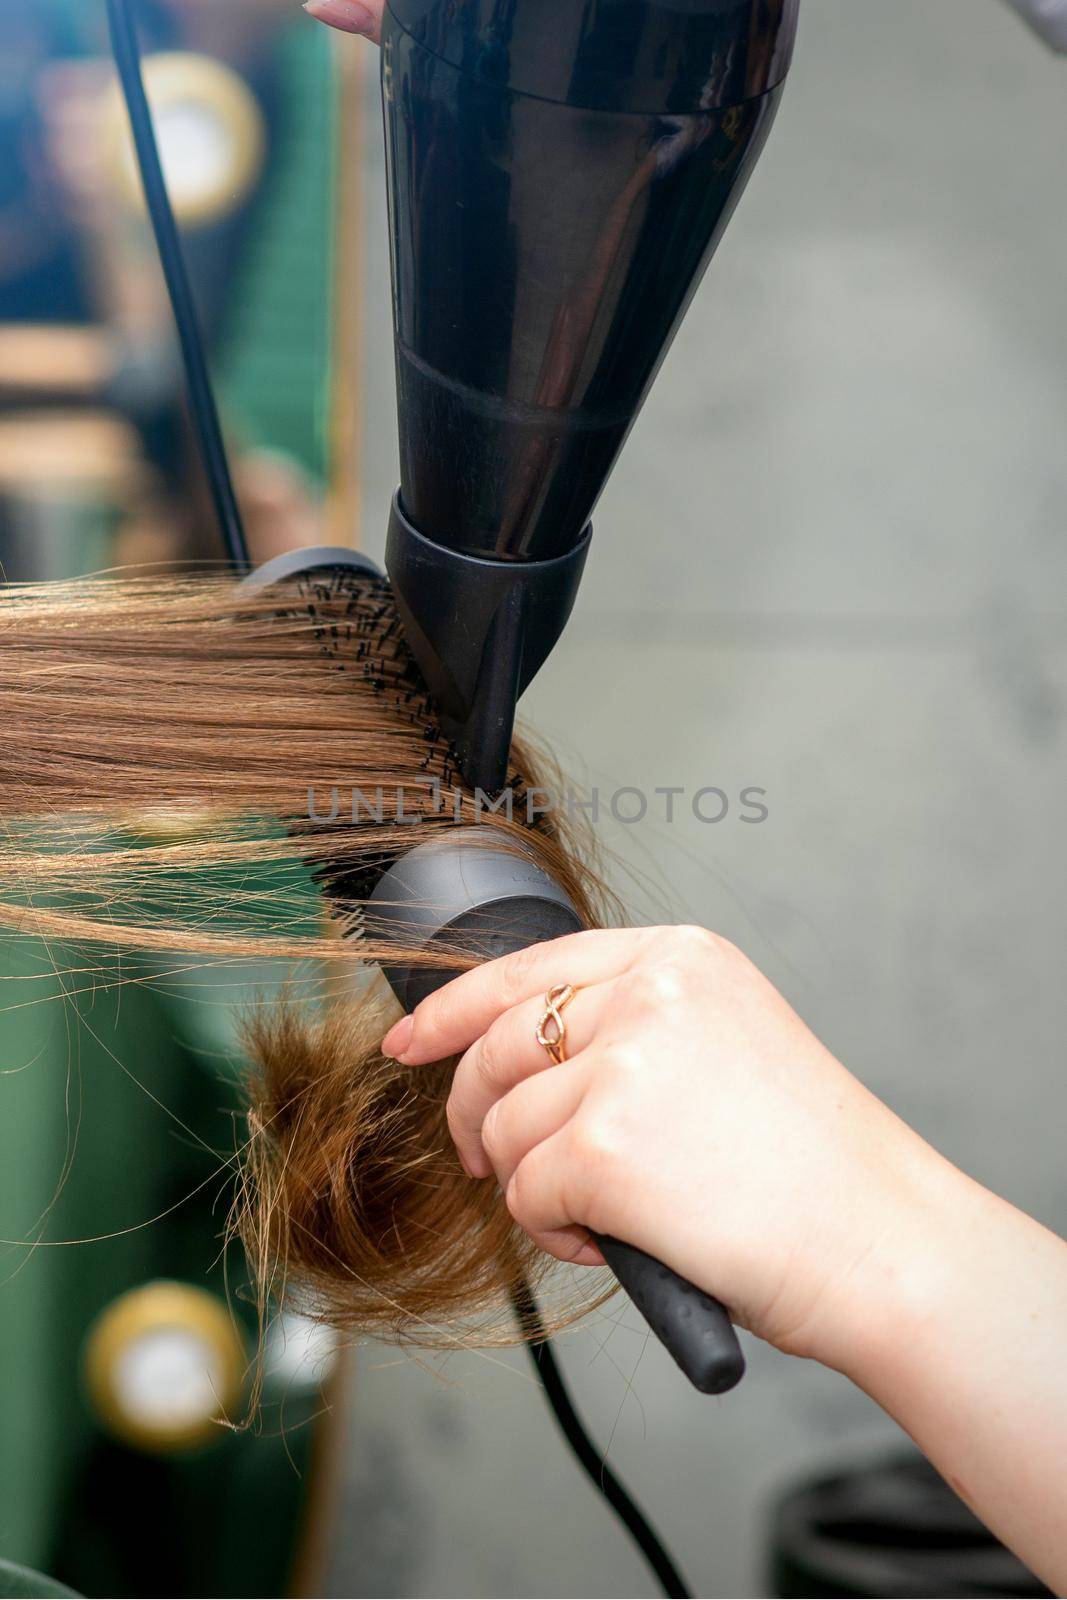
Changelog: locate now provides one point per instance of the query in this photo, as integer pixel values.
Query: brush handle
(695, 1329)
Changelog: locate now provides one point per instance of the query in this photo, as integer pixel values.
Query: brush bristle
(358, 628)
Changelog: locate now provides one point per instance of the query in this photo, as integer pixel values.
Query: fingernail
(346, 14)
(398, 1038)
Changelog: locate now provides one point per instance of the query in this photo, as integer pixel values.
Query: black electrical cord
(216, 466)
(172, 258)
(592, 1462)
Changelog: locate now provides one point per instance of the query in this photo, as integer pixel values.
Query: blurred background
(117, 1102)
(831, 565)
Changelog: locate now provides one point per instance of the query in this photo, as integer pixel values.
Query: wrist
(923, 1239)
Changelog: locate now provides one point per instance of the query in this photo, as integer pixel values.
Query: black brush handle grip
(695, 1328)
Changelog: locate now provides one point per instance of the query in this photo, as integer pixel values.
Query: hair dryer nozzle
(480, 630)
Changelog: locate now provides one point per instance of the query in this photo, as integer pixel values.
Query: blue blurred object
(42, 270)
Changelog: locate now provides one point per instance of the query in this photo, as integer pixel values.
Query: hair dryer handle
(696, 1329)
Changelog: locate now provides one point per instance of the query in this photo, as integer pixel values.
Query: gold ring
(560, 995)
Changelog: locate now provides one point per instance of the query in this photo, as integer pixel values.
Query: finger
(536, 1194)
(351, 16)
(573, 1245)
(450, 1020)
(507, 1054)
(533, 1111)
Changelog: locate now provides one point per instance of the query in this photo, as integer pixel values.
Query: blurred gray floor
(832, 564)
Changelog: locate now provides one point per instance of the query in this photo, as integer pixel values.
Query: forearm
(964, 1343)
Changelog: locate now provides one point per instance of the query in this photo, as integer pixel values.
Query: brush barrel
(459, 893)
(560, 173)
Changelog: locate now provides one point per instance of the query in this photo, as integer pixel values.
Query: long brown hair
(169, 746)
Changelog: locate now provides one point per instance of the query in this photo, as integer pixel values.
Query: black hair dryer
(560, 173)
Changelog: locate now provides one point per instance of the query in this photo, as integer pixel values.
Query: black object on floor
(891, 1529)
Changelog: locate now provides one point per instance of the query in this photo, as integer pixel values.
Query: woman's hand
(696, 1117)
(351, 16)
